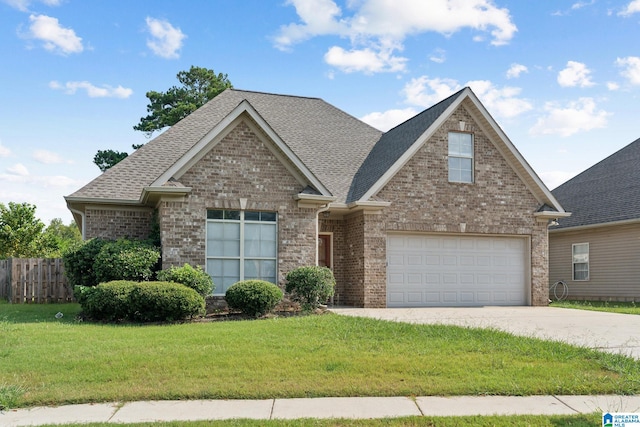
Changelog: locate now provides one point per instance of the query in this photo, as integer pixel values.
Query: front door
(324, 250)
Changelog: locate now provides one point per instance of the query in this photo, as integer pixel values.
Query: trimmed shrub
(140, 301)
(78, 263)
(107, 301)
(126, 260)
(164, 301)
(311, 285)
(195, 278)
(253, 297)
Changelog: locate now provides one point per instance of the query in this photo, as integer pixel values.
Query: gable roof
(336, 157)
(330, 143)
(607, 192)
(392, 145)
(398, 145)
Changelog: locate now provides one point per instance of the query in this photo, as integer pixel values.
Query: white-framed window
(241, 245)
(580, 261)
(460, 157)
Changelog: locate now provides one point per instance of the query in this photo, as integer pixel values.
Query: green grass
(608, 306)
(589, 420)
(59, 361)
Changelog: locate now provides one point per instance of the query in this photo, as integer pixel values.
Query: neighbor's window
(580, 257)
(460, 157)
(241, 245)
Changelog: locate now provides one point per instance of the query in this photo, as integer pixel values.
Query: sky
(561, 78)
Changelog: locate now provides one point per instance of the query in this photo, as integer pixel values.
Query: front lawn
(608, 306)
(47, 361)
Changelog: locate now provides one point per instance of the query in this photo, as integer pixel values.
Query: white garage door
(445, 270)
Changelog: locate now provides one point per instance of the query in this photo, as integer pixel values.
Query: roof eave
(313, 200)
(598, 225)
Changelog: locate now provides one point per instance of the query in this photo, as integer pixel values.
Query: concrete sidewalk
(327, 407)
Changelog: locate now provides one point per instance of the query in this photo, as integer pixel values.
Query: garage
(449, 270)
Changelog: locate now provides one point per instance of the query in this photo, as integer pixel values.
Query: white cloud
(388, 119)
(18, 169)
(575, 74)
(613, 86)
(365, 60)
(424, 92)
(632, 7)
(631, 68)
(105, 91)
(55, 37)
(577, 116)
(18, 174)
(4, 151)
(515, 70)
(581, 4)
(377, 28)
(23, 5)
(166, 39)
(438, 56)
(501, 102)
(48, 157)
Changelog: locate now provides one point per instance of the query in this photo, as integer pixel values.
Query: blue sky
(562, 78)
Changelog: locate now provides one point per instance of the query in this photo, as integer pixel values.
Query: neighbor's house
(440, 211)
(597, 250)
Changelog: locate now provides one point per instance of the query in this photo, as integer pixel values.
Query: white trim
(573, 263)
(599, 225)
(82, 221)
(223, 128)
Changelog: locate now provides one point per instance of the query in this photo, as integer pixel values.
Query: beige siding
(614, 262)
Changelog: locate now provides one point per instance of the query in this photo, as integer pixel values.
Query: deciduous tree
(20, 231)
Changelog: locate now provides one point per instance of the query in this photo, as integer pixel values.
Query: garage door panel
(441, 270)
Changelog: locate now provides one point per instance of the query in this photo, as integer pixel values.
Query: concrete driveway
(615, 333)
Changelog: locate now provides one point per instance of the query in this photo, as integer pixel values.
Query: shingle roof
(330, 142)
(392, 145)
(609, 191)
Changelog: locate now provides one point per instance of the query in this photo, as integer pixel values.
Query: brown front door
(324, 250)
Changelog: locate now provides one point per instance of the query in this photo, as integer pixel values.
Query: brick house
(441, 210)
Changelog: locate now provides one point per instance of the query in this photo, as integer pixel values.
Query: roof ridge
(276, 94)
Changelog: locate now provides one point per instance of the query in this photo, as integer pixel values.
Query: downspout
(318, 212)
(82, 226)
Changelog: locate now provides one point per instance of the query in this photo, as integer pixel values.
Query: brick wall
(240, 166)
(497, 202)
(117, 223)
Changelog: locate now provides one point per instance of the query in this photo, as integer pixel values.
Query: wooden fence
(34, 280)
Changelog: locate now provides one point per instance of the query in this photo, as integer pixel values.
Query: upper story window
(460, 157)
(241, 245)
(580, 261)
